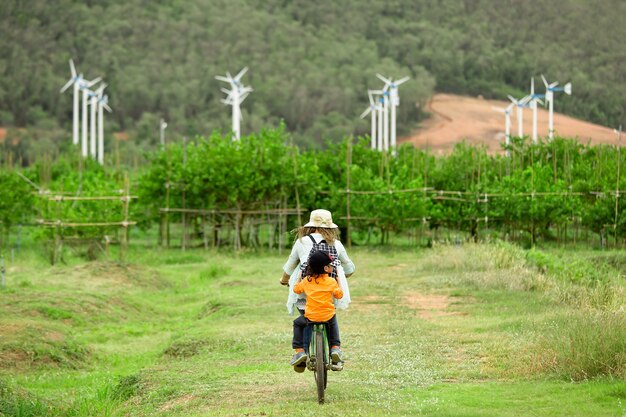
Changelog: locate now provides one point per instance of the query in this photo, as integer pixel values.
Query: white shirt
(300, 254)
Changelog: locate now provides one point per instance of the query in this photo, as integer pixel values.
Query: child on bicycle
(319, 288)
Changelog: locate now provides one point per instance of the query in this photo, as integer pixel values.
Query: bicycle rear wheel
(320, 366)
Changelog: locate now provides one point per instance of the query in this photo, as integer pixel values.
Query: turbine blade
(554, 84)
(366, 112)
(72, 68)
(545, 82)
(498, 109)
(94, 81)
(224, 90)
(241, 73)
(106, 106)
(383, 79)
(512, 99)
(67, 85)
(219, 77)
(402, 80)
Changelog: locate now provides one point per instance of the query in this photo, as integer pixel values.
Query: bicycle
(319, 358)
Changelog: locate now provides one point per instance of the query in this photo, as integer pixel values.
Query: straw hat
(321, 218)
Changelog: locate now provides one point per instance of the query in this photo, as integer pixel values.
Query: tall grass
(589, 342)
(16, 403)
(582, 345)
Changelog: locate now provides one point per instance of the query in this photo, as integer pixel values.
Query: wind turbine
(373, 109)
(162, 127)
(103, 101)
(507, 125)
(76, 81)
(380, 110)
(392, 87)
(84, 87)
(521, 103)
(550, 89)
(236, 95)
(534, 98)
(93, 102)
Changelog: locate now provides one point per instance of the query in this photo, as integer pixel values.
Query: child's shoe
(298, 358)
(336, 366)
(299, 368)
(335, 354)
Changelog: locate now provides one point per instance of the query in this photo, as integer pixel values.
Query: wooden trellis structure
(59, 225)
(211, 221)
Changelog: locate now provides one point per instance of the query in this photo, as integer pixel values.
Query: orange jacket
(319, 297)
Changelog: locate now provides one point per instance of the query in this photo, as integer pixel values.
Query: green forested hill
(310, 62)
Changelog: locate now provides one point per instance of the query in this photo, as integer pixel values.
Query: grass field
(475, 330)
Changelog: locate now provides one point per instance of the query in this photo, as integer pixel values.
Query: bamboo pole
(348, 168)
(295, 181)
(184, 214)
(619, 154)
(57, 235)
(204, 236)
(125, 223)
(54, 224)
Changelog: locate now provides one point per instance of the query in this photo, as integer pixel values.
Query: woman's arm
(346, 262)
(293, 260)
(285, 279)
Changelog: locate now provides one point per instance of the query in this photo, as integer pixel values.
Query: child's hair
(329, 235)
(316, 263)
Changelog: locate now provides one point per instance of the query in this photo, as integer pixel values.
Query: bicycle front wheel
(320, 366)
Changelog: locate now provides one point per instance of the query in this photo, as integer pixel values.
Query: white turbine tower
(550, 89)
(392, 87)
(534, 99)
(385, 98)
(103, 101)
(84, 87)
(507, 125)
(373, 109)
(76, 81)
(380, 110)
(162, 127)
(93, 102)
(521, 103)
(236, 95)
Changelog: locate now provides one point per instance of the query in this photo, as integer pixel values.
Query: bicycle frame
(318, 328)
(319, 358)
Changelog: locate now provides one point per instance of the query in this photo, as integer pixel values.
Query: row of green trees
(539, 191)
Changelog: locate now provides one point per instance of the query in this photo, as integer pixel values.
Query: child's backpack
(325, 247)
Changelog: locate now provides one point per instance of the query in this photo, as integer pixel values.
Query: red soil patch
(457, 118)
(3, 134)
(120, 135)
(430, 305)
